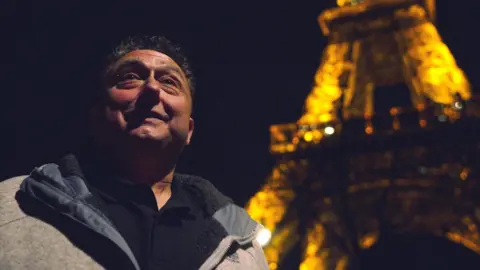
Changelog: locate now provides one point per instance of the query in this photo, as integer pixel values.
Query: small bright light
(329, 130)
(458, 105)
(264, 236)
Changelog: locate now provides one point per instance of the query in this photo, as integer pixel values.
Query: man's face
(148, 99)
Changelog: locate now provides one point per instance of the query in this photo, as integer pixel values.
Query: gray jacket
(32, 237)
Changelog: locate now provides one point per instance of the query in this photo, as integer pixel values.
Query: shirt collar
(179, 198)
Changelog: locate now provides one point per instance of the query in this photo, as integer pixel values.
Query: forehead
(149, 58)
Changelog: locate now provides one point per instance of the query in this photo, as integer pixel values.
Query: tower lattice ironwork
(346, 174)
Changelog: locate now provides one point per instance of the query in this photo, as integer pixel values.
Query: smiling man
(121, 205)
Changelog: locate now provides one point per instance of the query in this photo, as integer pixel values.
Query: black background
(254, 62)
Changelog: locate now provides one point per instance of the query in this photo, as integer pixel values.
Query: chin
(147, 133)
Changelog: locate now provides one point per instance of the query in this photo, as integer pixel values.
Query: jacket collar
(62, 187)
(68, 194)
(66, 178)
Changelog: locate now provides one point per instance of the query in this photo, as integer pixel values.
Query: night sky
(254, 62)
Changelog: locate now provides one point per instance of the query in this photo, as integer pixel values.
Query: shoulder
(11, 183)
(9, 187)
(9, 209)
(31, 242)
(203, 190)
(233, 218)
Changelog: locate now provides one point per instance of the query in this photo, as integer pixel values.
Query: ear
(191, 125)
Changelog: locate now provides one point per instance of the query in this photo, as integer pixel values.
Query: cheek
(178, 106)
(118, 102)
(122, 97)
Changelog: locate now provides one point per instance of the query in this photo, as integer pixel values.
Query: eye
(129, 76)
(169, 81)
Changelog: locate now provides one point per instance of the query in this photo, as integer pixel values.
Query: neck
(136, 167)
(145, 167)
(145, 170)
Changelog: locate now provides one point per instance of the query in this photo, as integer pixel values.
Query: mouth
(139, 117)
(156, 115)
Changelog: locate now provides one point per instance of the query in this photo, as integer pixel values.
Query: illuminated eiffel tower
(346, 173)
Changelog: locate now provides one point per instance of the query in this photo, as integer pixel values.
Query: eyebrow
(180, 76)
(135, 62)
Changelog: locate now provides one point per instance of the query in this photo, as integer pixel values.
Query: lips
(157, 115)
(139, 116)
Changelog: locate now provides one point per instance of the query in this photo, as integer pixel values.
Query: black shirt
(174, 237)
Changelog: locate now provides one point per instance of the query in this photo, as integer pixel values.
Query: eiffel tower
(358, 166)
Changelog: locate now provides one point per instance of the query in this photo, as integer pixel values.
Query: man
(121, 205)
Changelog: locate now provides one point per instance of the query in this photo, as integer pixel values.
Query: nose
(149, 96)
(151, 84)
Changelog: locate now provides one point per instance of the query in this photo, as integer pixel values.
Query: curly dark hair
(155, 43)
